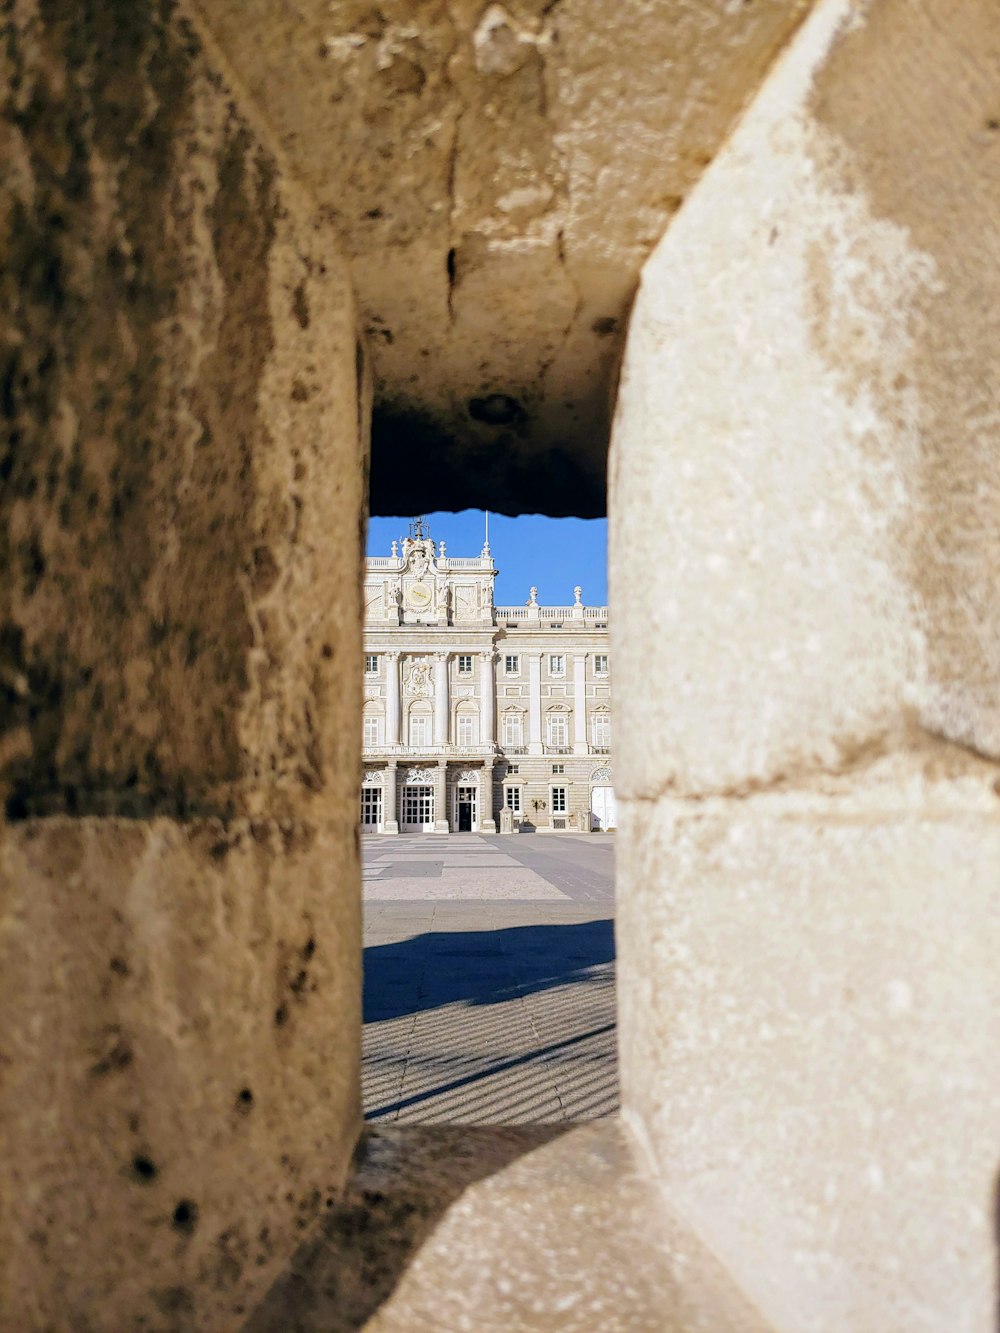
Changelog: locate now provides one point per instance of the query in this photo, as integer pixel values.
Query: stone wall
(180, 648)
(498, 173)
(810, 850)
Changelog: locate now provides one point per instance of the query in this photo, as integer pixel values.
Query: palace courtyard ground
(489, 978)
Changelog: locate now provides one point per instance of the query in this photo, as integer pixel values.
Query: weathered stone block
(802, 454)
(186, 400)
(808, 1028)
(181, 1064)
(498, 173)
(806, 686)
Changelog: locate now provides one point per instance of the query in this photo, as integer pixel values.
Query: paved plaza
(489, 978)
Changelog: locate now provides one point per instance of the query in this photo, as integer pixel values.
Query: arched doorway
(603, 806)
(465, 816)
(372, 805)
(416, 813)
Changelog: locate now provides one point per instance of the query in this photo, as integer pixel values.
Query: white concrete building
(473, 708)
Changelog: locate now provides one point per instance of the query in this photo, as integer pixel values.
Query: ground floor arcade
(439, 796)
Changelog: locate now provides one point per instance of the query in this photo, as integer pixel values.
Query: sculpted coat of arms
(418, 679)
(418, 556)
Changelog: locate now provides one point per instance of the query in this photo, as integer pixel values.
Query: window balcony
(557, 749)
(600, 749)
(514, 749)
(426, 751)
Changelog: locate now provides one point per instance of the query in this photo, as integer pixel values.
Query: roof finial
(486, 544)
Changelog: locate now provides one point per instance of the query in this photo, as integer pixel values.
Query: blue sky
(552, 553)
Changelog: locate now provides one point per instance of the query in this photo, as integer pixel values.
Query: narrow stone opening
(487, 818)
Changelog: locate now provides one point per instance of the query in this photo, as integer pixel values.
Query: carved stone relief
(418, 678)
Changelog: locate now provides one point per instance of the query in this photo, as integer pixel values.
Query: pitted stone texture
(182, 482)
(401, 1184)
(484, 1235)
(809, 1020)
(572, 1237)
(926, 154)
(182, 475)
(180, 1064)
(804, 442)
(807, 724)
(498, 173)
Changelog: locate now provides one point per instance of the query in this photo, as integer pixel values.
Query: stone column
(126, 989)
(487, 822)
(390, 810)
(487, 697)
(534, 703)
(808, 728)
(579, 703)
(392, 698)
(441, 824)
(440, 698)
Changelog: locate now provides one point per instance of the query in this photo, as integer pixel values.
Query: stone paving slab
(492, 1006)
(458, 884)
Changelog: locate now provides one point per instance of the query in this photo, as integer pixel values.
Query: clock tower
(418, 584)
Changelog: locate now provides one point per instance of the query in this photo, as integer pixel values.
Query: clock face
(419, 596)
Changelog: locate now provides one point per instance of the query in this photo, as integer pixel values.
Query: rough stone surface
(806, 417)
(809, 1021)
(402, 1183)
(469, 1230)
(498, 174)
(180, 1067)
(182, 483)
(809, 846)
(571, 1237)
(182, 479)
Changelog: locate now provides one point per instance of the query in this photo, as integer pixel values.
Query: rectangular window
(557, 664)
(465, 726)
(465, 664)
(514, 798)
(558, 731)
(371, 664)
(558, 800)
(371, 736)
(420, 730)
(601, 726)
(512, 768)
(513, 729)
(511, 664)
(558, 768)
(600, 664)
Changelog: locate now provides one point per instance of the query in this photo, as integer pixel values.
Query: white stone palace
(480, 717)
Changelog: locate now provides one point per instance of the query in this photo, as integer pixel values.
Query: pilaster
(579, 703)
(487, 697)
(392, 698)
(534, 703)
(390, 806)
(440, 698)
(487, 822)
(441, 824)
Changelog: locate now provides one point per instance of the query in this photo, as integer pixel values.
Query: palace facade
(478, 717)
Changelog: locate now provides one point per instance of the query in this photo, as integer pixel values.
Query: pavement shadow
(402, 1183)
(477, 967)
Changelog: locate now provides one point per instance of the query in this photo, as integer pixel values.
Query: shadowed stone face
(497, 176)
(166, 412)
(181, 477)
